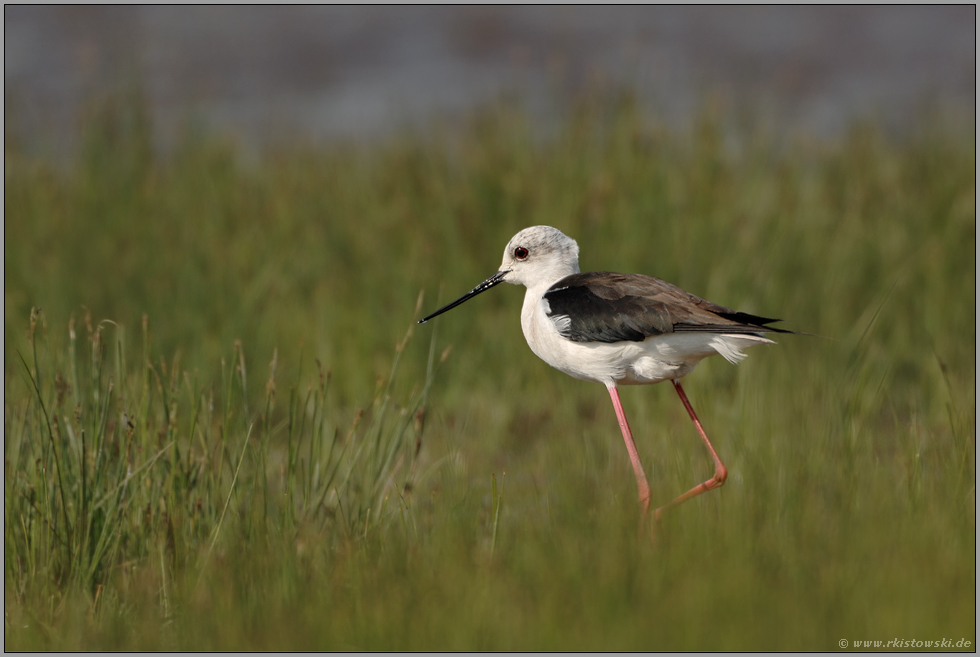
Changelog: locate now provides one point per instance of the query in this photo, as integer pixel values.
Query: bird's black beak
(482, 287)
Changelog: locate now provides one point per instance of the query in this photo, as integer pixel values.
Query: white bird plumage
(618, 329)
(668, 356)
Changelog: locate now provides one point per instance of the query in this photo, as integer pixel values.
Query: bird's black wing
(609, 307)
(583, 316)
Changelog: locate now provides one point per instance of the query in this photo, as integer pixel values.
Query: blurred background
(359, 72)
(229, 216)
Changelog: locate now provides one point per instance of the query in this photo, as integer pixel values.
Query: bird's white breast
(658, 358)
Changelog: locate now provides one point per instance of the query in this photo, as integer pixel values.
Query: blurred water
(357, 72)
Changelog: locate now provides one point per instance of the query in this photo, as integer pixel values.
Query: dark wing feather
(609, 307)
(593, 318)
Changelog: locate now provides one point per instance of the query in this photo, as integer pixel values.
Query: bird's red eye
(520, 253)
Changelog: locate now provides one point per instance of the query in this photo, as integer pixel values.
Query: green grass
(222, 431)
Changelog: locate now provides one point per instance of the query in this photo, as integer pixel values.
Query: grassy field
(223, 432)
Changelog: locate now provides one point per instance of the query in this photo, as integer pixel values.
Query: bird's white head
(539, 255)
(536, 256)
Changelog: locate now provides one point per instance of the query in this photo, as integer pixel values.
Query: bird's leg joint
(721, 475)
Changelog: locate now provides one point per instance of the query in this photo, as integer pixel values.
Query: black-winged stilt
(619, 329)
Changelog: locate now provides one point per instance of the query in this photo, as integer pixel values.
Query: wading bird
(619, 329)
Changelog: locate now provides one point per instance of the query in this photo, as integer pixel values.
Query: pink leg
(721, 472)
(641, 478)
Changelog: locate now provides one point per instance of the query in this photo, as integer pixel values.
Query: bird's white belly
(658, 358)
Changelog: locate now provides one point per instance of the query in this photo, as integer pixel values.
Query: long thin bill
(482, 287)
